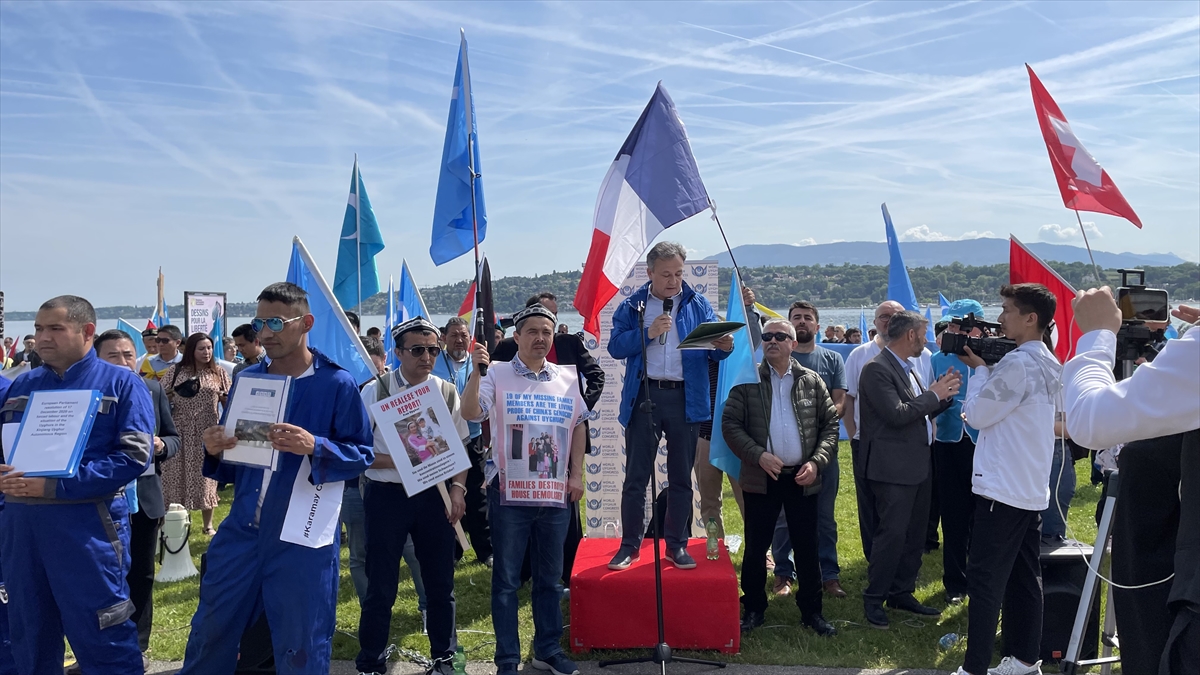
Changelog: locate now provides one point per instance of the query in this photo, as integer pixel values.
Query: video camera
(987, 347)
(1139, 305)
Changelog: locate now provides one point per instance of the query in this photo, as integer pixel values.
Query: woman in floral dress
(195, 387)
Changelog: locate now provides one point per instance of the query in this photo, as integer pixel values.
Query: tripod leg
(702, 662)
(1110, 632)
(1070, 662)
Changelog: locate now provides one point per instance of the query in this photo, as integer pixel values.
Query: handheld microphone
(668, 305)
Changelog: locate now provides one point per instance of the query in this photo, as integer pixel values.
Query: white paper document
(312, 515)
(53, 432)
(258, 402)
(421, 437)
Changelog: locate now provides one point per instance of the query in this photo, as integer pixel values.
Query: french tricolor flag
(652, 184)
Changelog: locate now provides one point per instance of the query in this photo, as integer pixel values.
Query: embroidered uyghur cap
(416, 323)
(532, 311)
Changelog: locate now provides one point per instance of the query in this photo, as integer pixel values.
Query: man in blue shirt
(7, 665)
(678, 384)
(953, 457)
(65, 541)
(328, 435)
(806, 319)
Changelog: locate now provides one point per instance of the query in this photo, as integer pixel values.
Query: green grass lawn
(911, 642)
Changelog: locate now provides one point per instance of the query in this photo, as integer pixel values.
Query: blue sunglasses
(275, 323)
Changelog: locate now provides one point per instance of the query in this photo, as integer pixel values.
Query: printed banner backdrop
(605, 470)
(203, 309)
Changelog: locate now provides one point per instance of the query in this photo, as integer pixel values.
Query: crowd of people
(940, 438)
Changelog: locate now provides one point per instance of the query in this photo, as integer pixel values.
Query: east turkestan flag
(356, 277)
(900, 288)
(652, 184)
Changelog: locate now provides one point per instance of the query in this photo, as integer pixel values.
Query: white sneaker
(1011, 666)
(425, 625)
(960, 671)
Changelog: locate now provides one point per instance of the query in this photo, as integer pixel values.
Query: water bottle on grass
(460, 661)
(714, 549)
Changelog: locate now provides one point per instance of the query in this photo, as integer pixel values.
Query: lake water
(843, 316)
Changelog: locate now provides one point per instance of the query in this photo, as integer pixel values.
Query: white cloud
(977, 235)
(805, 242)
(923, 233)
(1063, 233)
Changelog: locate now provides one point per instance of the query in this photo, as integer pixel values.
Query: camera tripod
(1071, 663)
(661, 654)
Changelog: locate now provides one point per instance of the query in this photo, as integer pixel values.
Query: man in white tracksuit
(1012, 404)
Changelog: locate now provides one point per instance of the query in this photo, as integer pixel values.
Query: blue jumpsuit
(248, 562)
(66, 555)
(7, 665)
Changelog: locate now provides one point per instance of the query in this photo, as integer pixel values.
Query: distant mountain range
(969, 252)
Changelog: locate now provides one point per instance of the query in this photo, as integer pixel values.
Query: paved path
(591, 668)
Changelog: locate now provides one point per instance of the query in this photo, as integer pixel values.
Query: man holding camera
(1012, 404)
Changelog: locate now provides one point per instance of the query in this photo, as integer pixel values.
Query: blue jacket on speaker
(623, 344)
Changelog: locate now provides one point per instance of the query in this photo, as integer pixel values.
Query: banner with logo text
(605, 470)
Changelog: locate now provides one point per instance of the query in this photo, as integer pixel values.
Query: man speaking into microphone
(678, 386)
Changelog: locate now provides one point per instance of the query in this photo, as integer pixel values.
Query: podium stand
(616, 610)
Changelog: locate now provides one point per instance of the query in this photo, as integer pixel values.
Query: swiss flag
(1084, 184)
(1026, 268)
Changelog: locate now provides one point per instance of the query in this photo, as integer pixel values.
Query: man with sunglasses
(326, 435)
(392, 515)
(168, 339)
(784, 428)
(858, 359)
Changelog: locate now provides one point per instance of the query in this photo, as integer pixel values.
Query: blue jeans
(513, 528)
(1053, 526)
(781, 545)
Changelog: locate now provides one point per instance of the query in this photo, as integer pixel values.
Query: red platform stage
(617, 610)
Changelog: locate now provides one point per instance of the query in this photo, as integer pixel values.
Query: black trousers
(1145, 524)
(867, 519)
(935, 510)
(952, 466)
(902, 512)
(143, 540)
(1003, 569)
(641, 451)
(762, 512)
(391, 517)
(475, 520)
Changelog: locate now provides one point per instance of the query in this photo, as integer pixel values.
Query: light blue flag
(862, 323)
(134, 334)
(356, 278)
(737, 369)
(1172, 333)
(217, 336)
(411, 304)
(929, 335)
(943, 303)
(453, 225)
(899, 285)
(389, 342)
(331, 334)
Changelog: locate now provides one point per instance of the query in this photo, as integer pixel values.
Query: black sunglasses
(781, 337)
(420, 350)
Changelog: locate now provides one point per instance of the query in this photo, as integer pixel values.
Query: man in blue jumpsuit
(65, 541)
(248, 563)
(7, 665)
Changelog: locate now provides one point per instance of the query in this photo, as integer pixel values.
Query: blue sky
(202, 137)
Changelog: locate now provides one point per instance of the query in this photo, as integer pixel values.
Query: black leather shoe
(876, 616)
(910, 604)
(820, 626)
(626, 556)
(681, 559)
(955, 598)
(751, 621)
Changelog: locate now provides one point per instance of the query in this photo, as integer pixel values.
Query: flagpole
(358, 232)
(1095, 267)
(713, 205)
(470, 124)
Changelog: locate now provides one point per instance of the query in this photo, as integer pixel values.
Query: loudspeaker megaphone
(175, 556)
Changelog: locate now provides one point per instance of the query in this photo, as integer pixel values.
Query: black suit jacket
(569, 350)
(149, 488)
(894, 439)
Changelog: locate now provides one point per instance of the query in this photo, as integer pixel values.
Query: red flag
(1026, 268)
(1084, 184)
(468, 305)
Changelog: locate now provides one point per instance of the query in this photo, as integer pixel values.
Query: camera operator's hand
(947, 385)
(1185, 313)
(971, 359)
(1095, 309)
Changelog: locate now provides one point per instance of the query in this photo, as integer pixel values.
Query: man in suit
(116, 347)
(896, 409)
(567, 350)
